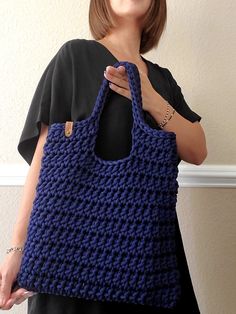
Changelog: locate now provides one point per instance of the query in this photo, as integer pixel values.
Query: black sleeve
(179, 102)
(51, 101)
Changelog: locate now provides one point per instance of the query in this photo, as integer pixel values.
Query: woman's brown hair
(100, 22)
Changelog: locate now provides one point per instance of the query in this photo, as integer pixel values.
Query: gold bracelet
(169, 118)
(166, 116)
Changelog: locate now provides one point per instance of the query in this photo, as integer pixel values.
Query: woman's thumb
(5, 289)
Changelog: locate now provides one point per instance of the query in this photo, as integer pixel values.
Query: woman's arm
(28, 194)
(11, 264)
(190, 137)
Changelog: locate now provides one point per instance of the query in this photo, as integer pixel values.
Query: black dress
(67, 90)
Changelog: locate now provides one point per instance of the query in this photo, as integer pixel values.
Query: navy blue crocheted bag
(105, 229)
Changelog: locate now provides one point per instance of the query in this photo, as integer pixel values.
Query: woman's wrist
(162, 112)
(157, 107)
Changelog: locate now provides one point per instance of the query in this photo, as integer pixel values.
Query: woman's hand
(120, 84)
(8, 272)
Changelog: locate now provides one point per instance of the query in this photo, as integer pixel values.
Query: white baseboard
(213, 176)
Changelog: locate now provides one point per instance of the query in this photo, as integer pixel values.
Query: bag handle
(135, 89)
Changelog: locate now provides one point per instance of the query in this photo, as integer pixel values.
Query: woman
(68, 88)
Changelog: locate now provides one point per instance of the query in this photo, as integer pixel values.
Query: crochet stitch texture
(105, 229)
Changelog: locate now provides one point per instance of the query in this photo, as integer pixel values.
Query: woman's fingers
(117, 76)
(17, 297)
(18, 293)
(5, 288)
(119, 83)
(119, 72)
(24, 296)
(10, 301)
